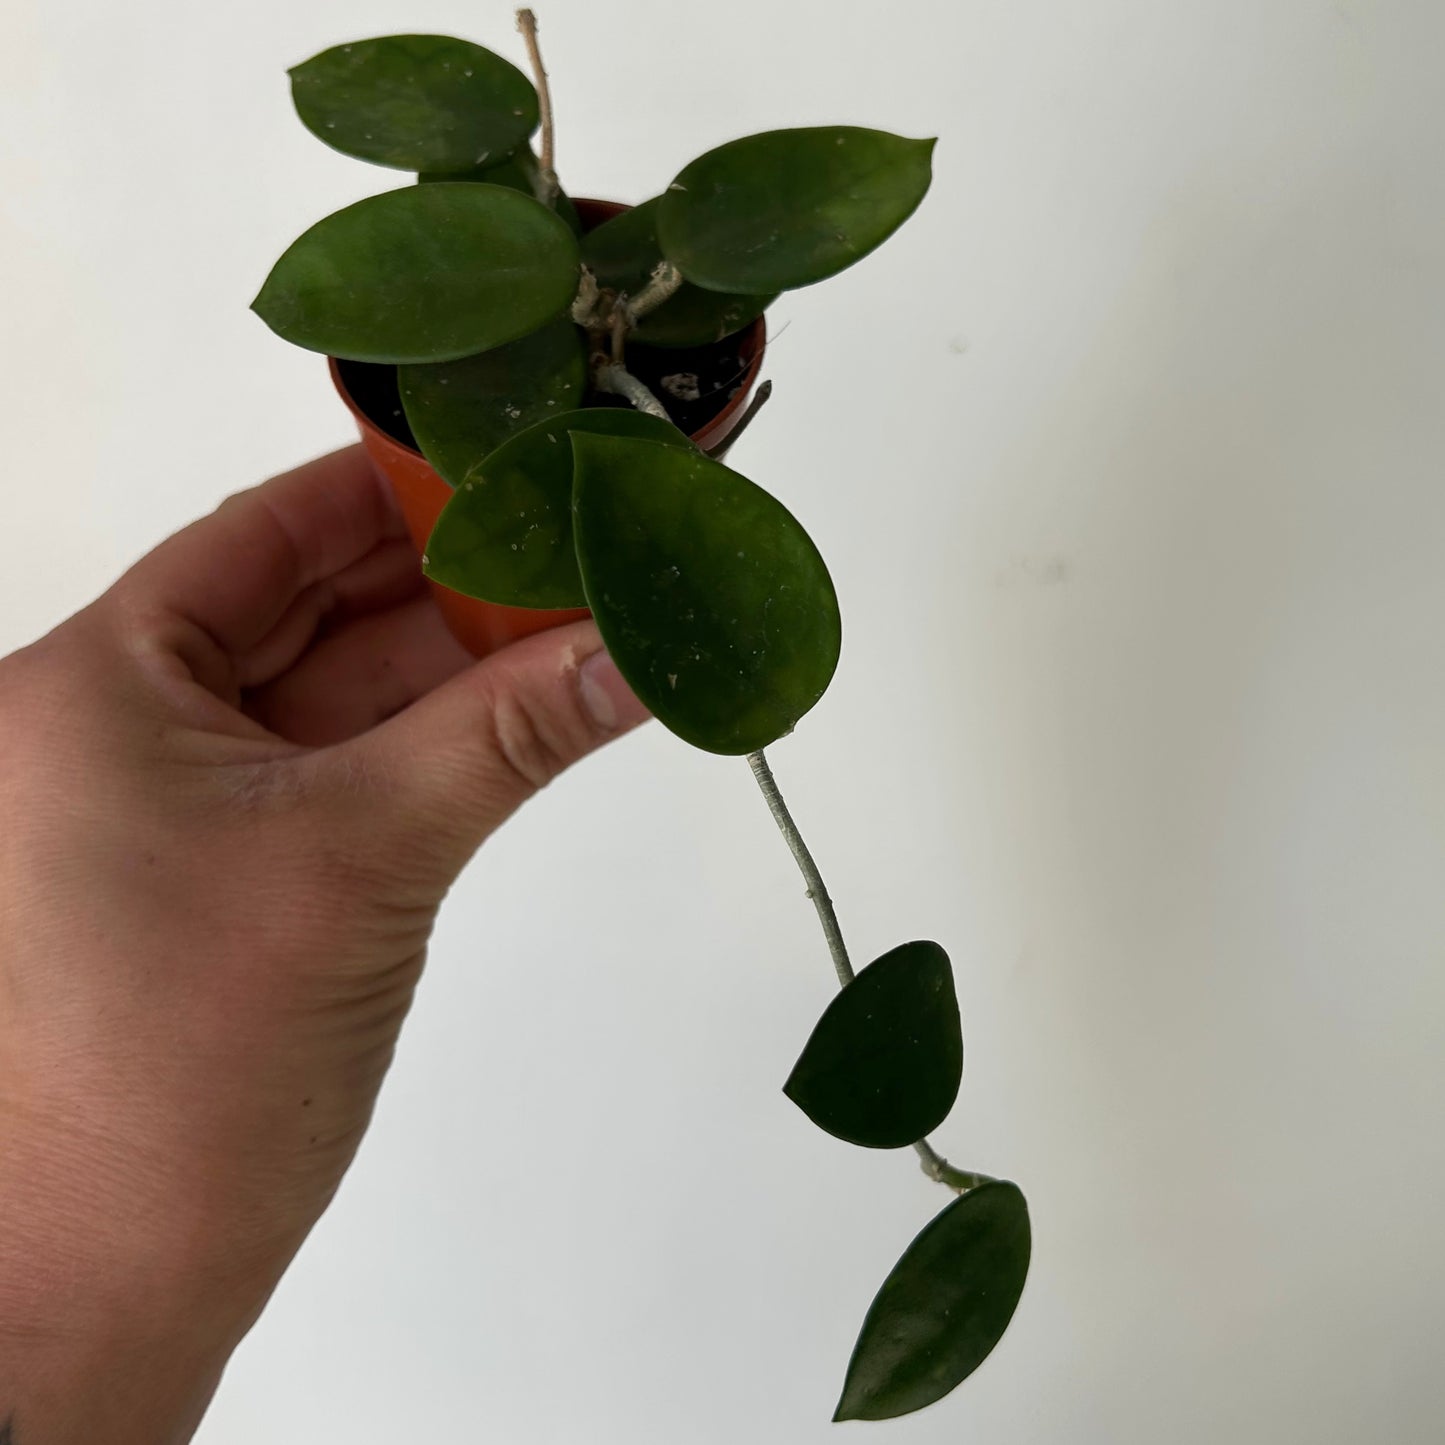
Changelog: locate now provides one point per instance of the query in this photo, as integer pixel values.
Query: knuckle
(531, 747)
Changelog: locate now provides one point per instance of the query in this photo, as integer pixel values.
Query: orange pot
(483, 627)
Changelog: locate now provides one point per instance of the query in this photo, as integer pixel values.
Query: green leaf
(416, 102)
(943, 1308)
(520, 172)
(424, 273)
(783, 209)
(711, 598)
(506, 534)
(883, 1065)
(622, 254)
(460, 411)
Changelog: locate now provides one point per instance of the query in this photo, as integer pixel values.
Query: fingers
(366, 670)
(456, 763)
(237, 572)
(387, 576)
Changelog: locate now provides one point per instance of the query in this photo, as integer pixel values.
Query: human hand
(235, 790)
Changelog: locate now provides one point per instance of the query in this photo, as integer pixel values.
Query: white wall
(1126, 455)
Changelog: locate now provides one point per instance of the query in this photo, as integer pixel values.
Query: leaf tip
(852, 1404)
(272, 309)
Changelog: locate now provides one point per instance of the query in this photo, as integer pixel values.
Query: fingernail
(609, 701)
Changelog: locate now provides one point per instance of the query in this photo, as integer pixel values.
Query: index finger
(235, 572)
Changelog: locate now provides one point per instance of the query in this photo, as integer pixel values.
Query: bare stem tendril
(934, 1165)
(527, 24)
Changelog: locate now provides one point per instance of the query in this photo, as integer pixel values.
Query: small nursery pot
(483, 627)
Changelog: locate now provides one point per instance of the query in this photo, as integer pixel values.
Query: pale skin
(234, 790)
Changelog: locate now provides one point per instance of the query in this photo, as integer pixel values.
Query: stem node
(584, 305)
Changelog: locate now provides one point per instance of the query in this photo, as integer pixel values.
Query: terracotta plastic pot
(483, 627)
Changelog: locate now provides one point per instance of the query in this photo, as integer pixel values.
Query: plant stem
(758, 762)
(764, 391)
(527, 24)
(933, 1163)
(584, 304)
(618, 337)
(941, 1171)
(621, 382)
(661, 286)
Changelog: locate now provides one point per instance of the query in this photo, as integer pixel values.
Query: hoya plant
(518, 343)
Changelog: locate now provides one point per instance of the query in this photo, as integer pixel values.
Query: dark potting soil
(694, 383)
(374, 389)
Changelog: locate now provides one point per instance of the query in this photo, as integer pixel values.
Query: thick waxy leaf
(506, 534)
(884, 1063)
(944, 1307)
(786, 208)
(711, 598)
(460, 411)
(416, 102)
(424, 273)
(622, 253)
(521, 172)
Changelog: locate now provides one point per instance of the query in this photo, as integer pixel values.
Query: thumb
(441, 775)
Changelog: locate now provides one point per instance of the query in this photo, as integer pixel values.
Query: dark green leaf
(521, 172)
(944, 1307)
(460, 411)
(712, 599)
(786, 208)
(883, 1065)
(622, 253)
(506, 534)
(424, 273)
(416, 102)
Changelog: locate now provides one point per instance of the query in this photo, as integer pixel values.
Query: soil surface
(694, 383)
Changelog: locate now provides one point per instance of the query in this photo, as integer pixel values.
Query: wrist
(111, 1325)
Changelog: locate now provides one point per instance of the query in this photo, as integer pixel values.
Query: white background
(1126, 456)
